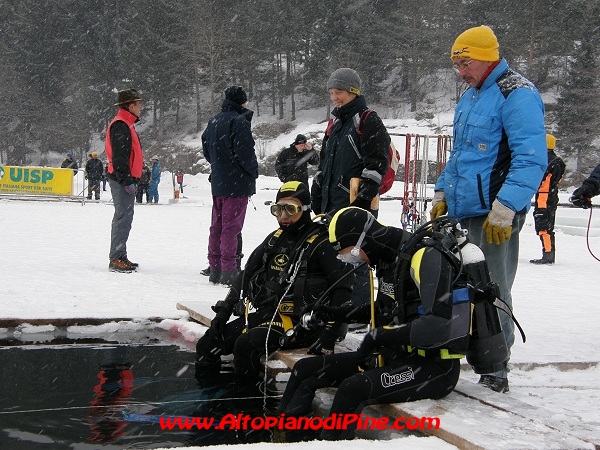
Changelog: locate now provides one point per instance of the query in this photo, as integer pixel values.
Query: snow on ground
(54, 258)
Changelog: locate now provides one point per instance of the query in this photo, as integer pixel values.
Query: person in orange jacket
(546, 201)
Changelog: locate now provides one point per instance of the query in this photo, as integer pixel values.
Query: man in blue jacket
(228, 146)
(154, 181)
(496, 163)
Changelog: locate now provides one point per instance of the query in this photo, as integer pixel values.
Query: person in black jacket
(291, 163)
(94, 170)
(70, 163)
(582, 196)
(546, 201)
(276, 291)
(422, 320)
(352, 165)
(104, 177)
(143, 185)
(228, 146)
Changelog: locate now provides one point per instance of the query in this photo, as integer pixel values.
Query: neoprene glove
(365, 351)
(217, 325)
(582, 195)
(498, 223)
(438, 205)
(340, 313)
(367, 189)
(325, 345)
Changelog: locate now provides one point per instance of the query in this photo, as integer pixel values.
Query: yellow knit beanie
(478, 43)
(550, 142)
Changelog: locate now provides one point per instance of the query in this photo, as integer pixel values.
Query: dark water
(111, 396)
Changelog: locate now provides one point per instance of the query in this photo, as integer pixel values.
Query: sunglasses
(289, 208)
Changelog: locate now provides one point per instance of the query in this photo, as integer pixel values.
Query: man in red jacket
(125, 160)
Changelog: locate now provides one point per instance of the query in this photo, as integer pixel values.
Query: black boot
(206, 365)
(494, 383)
(227, 278)
(205, 272)
(215, 275)
(547, 258)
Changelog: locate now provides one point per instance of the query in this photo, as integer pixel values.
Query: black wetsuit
(408, 374)
(261, 283)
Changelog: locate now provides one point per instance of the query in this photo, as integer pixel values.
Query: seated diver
(421, 321)
(289, 271)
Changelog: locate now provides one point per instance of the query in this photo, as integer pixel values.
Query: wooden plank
(195, 315)
(469, 424)
(584, 431)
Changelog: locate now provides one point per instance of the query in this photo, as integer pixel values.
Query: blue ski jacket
(499, 146)
(228, 146)
(155, 178)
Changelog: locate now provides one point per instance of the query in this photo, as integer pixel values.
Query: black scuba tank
(487, 351)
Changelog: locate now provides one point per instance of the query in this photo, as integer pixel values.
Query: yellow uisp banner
(36, 180)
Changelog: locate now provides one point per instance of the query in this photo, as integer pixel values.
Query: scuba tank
(487, 352)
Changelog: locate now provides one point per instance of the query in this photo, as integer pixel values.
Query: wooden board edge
(194, 315)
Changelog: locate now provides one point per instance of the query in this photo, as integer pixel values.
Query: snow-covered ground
(54, 258)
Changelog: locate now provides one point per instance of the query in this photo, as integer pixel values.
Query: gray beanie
(345, 79)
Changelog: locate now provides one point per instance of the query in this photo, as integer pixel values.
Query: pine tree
(579, 103)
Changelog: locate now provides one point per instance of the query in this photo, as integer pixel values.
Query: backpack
(393, 156)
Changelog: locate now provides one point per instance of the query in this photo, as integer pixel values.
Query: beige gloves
(498, 224)
(438, 205)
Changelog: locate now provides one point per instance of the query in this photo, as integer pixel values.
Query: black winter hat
(294, 189)
(236, 94)
(300, 139)
(127, 96)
